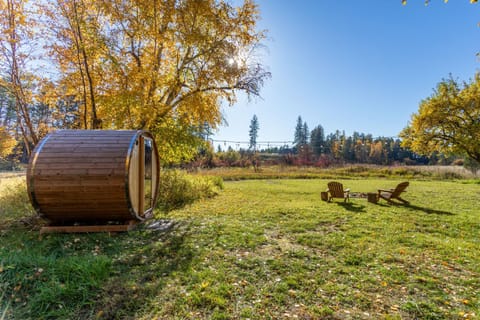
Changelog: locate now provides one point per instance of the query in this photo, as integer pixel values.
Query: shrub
(356, 169)
(449, 175)
(177, 189)
(323, 161)
(458, 162)
(229, 157)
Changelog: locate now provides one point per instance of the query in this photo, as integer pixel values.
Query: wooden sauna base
(127, 226)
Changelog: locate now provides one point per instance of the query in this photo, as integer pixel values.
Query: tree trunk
(95, 122)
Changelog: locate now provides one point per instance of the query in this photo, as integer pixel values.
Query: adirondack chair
(335, 190)
(393, 193)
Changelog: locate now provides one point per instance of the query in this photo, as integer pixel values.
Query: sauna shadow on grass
(141, 273)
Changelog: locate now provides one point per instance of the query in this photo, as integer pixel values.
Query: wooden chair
(335, 190)
(394, 193)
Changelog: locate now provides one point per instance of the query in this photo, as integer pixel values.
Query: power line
(248, 142)
(259, 144)
(272, 144)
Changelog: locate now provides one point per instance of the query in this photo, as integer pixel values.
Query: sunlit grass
(282, 251)
(14, 202)
(261, 249)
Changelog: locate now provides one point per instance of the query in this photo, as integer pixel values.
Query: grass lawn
(263, 249)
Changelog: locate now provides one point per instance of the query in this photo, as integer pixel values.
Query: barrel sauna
(94, 176)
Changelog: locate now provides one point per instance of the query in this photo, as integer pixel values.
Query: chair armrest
(382, 190)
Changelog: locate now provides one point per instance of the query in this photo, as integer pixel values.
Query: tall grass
(342, 172)
(455, 172)
(177, 189)
(14, 202)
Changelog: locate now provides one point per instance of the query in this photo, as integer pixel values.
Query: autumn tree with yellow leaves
(7, 142)
(73, 27)
(163, 65)
(448, 121)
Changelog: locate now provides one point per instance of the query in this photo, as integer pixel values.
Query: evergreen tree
(297, 140)
(301, 133)
(203, 131)
(305, 133)
(253, 133)
(317, 140)
(348, 149)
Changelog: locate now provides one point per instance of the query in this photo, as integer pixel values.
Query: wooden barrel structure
(94, 176)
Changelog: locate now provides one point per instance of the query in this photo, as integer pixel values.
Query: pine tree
(253, 133)
(298, 138)
(305, 133)
(317, 140)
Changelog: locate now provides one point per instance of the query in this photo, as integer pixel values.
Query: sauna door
(148, 177)
(142, 176)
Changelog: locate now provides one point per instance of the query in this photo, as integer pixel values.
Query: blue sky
(355, 65)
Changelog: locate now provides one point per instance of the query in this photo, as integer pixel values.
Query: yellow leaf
(404, 2)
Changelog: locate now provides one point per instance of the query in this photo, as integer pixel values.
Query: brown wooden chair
(394, 193)
(335, 190)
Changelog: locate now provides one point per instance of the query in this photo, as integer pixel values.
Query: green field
(262, 249)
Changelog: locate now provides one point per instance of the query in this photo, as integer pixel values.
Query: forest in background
(322, 151)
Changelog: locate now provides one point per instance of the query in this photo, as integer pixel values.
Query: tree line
(315, 147)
